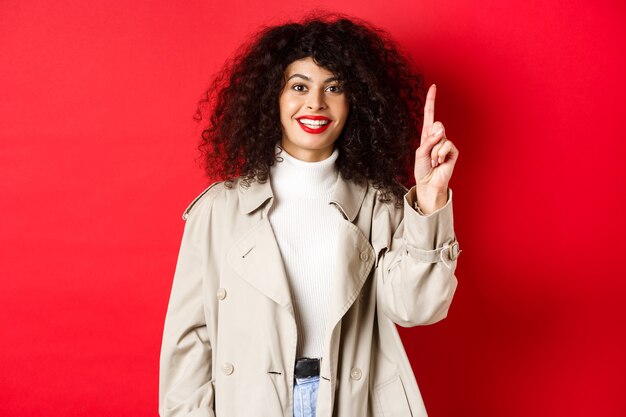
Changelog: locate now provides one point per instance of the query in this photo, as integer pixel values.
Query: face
(313, 111)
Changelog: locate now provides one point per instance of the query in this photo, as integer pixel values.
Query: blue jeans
(305, 396)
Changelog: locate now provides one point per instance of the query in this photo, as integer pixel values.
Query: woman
(295, 266)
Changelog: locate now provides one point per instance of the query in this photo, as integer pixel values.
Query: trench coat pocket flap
(391, 398)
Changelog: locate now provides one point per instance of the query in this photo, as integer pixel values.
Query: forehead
(307, 67)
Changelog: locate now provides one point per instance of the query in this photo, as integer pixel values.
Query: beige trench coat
(229, 339)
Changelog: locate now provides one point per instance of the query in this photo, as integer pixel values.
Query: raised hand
(434, 159)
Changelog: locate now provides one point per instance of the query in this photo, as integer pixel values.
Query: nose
(315, 101)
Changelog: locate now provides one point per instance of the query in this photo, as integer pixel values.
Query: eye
(335, 89)
(298, 87)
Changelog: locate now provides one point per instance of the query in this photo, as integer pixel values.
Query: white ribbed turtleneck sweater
(305, 226)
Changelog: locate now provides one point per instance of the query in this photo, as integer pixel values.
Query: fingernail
(440, 161)
(432, 163)
(437, 131)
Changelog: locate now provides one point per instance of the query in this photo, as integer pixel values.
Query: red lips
(313, 130)
(313, 117)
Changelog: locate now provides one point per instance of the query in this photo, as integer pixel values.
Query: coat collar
(347, 196)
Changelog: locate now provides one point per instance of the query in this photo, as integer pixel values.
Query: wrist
(430, 200)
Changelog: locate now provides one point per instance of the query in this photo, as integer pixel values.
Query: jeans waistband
(306, 367)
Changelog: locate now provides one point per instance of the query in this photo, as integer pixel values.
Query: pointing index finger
(429, 111)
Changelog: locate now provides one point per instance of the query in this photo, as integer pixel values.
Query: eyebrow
(308, 79)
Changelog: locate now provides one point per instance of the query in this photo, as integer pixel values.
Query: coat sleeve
(185, 381)
(415, 273)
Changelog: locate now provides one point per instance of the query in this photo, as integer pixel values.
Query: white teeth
(310, 122)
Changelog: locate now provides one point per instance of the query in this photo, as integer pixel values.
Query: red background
(97, 160)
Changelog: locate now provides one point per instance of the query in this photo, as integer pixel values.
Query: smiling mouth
(312, 125)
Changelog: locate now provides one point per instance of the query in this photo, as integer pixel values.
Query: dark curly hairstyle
(385, 96)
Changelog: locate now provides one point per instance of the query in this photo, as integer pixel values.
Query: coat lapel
(355, 258)
(256, 256)
(355, 255)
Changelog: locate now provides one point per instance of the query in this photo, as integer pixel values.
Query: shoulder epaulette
(195, 200)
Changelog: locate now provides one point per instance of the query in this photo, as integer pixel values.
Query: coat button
(356, 373)
(364, 256)
(227, 368)
(221, 293)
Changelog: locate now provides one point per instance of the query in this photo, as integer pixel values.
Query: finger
(429, 111)
(434, 153)
(447, 150)
(426, 144)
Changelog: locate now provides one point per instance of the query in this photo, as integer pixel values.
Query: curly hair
(384, 92)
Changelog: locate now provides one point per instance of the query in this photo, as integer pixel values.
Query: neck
(307, 155)
(307, 179)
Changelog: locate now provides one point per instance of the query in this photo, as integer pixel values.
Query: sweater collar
(290, 176)
(347, 195)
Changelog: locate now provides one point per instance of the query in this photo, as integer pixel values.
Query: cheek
(344, 110)
(288, 107)
(340, 102)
